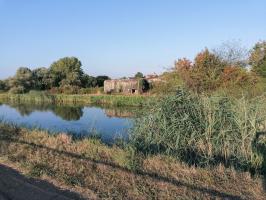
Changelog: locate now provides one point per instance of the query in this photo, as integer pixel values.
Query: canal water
(107, 122)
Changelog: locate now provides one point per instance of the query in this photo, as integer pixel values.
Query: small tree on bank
(139, 75)
(257, 59)
(203, 74)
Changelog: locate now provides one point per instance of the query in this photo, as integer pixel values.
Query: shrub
(170, 81)
(203, 74)
(17, 90)
(96, 90)
(55, 90)
(237, 76)
(68, 89)
(258, 59)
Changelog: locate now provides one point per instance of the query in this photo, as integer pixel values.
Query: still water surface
(109, 123)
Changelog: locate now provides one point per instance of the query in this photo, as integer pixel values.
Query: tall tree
(66, 71)
(42, 79)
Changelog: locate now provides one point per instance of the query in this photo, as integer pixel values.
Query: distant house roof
(150, 76)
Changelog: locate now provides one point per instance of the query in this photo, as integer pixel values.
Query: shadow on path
(14, 186)
(260, 147)
(154, 176)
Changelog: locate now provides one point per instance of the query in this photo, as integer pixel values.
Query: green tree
(139, 75)
(23, 79)
(204, 74)
(257, 59)
(66, 71)
(101, 79)
(88, 81)
(42, 79)
(2, 85)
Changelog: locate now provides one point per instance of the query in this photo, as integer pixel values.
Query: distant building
(153, 78)
(130, 85)
(127, 86)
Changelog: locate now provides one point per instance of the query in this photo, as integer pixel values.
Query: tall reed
(203, 130)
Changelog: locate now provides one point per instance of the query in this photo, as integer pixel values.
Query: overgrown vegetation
(98, 171)
(204, 130)
(229, 68)
(170, 81)
(209, 72)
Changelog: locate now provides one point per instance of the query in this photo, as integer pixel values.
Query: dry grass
(111, 172)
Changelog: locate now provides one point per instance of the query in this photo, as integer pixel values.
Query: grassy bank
(112, 100)
(119, 173)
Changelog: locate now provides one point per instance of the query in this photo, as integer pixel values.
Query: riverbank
(113, 172)
(43, 97)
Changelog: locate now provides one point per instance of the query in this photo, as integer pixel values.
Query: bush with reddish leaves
(237, 76)
(203, 74)
(209, 73)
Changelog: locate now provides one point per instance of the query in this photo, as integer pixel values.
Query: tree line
(229, 66)
(66, 74)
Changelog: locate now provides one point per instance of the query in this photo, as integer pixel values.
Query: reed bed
(44, 97)
(204, 130)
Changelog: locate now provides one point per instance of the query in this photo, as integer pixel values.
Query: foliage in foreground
(204, 130)
(99, 171)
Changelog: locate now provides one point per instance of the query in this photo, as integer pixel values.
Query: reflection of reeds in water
(119, 112)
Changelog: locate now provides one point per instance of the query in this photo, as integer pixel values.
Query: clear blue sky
(121, 37)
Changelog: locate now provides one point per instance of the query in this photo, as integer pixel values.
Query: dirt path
(14, 186)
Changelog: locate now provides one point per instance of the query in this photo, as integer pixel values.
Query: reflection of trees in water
(27, 109)
(73, 112)
(68, 113)
(65, 112)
